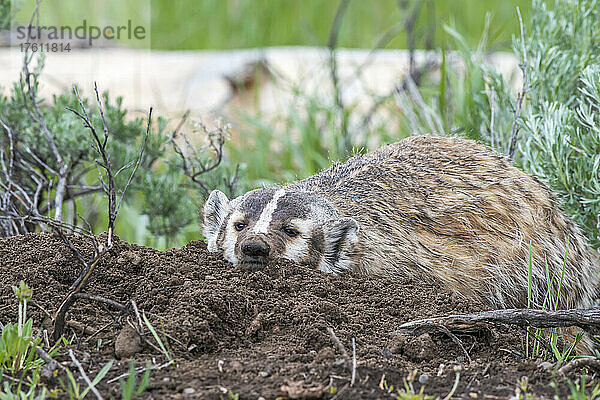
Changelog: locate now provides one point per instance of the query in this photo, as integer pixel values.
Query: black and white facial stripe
(298, 226)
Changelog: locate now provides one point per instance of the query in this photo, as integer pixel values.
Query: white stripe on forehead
(262, 225)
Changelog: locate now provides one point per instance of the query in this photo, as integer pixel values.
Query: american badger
(440, 208)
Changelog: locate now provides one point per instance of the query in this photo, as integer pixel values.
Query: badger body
(443, 209)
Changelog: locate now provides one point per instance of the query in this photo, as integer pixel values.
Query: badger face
(265, 224)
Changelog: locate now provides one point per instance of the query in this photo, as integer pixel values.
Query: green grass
(229, 24)
(20, 364)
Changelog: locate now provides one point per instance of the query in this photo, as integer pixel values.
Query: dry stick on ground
(51, 364)
(84, 375)
(332, 45)
(520, 96)
(114, 204)
(353, 379)
(588, 320)
(591, 363)
(139, 326)
(492, 111)
(338, 345)
(101, 299)
(138, 370)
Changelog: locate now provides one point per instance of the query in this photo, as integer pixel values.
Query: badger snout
(255, 252)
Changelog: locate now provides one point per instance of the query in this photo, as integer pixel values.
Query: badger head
(265, 224)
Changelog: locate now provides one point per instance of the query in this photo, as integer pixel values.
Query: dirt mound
(262, 333)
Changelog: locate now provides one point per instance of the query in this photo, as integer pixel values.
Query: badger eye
(239, 226)
(291, 232)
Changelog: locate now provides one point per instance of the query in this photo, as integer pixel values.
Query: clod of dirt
(420, 348)
(299, 390)
(128, 342)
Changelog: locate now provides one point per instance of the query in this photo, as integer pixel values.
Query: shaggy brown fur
(445, 209)
(452, 209)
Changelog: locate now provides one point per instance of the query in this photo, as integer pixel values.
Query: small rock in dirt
(129, 257)
(263, 374)
(209, 278)
(387, 353)
(423, 379)
(128, 342)
(545, 365)
(189, 390)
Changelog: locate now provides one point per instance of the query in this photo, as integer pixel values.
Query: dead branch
(113, 209)
(338, 345)
(454, 338)
(192, 163)
(492, 99)
(51, 364)
(353, 379)
(409, 26)
(588, 320)
(521, 95)
(104, 300)
(589, 362)
(333, 70)
(84, 375)
(138, 370)
(36, 115)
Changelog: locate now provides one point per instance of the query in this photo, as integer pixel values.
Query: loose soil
(262, 333)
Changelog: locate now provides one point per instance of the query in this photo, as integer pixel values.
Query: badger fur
(439, 208)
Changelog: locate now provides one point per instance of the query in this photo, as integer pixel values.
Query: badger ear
(214, 213)
(339, 239)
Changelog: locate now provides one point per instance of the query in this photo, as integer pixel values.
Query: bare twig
(589, 362)
(113, 209)
(457, 371)
(137, 163)
(39, 118)
(455, 339)
(492, 111)
(84, 375)
(521, 95)
(353, 362)
(409, 26)
(51, 363)
(338, 345)
(138, 370)
(191, 162)
(139, 319)
(104, 300)
(102, 328)
(333, 70)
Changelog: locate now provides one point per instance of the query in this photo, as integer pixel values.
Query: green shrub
(159, 191)
(560, 126)
(558, 135)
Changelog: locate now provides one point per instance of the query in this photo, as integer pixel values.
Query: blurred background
(249, 93)
(240, 24)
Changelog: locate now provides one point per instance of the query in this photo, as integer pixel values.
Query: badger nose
(256, 248)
